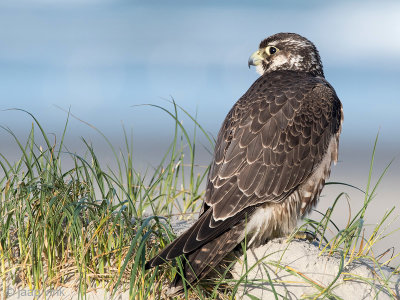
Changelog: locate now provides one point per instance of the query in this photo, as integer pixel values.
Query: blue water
(105, 96)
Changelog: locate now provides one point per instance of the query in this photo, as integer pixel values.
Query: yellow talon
(301, 235)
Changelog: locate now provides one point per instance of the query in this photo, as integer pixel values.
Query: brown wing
(271, 141)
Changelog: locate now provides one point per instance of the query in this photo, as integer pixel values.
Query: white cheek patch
(259, 69)
(277, 62)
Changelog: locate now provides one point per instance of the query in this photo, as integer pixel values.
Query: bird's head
(287, 51)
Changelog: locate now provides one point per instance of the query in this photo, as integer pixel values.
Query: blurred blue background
(100, 58)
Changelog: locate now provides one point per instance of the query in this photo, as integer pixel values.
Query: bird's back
(271, 159)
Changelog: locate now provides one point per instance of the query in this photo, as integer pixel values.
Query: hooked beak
(255, 59)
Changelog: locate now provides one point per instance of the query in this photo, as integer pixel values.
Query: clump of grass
(86, 227)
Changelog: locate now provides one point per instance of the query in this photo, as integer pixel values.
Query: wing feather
(285, 128)
(270, 143)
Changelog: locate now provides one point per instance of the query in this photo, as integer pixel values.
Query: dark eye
(271, 50)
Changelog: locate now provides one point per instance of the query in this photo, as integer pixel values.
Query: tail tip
(148, 265)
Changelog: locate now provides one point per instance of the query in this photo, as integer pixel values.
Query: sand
(304, 257)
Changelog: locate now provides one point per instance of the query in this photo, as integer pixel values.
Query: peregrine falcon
(271, 159)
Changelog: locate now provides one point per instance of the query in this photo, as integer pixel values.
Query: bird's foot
(304, 235)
